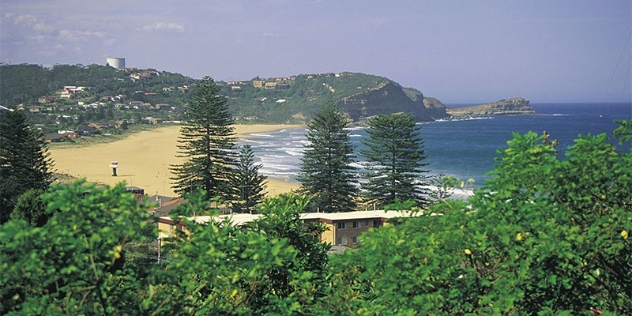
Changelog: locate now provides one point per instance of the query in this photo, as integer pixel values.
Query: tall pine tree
(206, 141)
(24, 161)
(247, 184)
(326, 170)
(395, 158)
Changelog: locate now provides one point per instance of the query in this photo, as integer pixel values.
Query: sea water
(465, 149)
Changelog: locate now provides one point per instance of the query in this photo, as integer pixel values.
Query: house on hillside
(137, 105)
(69, 134)
(151, 120)
(162, 107)
(46, 99)
(35, 109)
(86, 130)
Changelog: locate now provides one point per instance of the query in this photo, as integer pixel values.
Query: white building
(116, 62)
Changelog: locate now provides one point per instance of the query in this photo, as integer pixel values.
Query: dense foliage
(31, 208)
(546, 235)
(206, 142)
(326, 170)
(74, 263)
(552, 234)
(84, 259)
(24, 161)
(395, 158)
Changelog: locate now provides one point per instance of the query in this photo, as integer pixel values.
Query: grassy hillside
(109, 94)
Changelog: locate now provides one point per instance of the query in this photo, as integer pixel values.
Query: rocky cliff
(515, 106)
(390, 97)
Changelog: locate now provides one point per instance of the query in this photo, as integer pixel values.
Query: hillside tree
(326, 171)
(24, 161)
(247, 184)
(206, 141)
(395, 156)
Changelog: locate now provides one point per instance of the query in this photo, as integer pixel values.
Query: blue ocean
(464, 148)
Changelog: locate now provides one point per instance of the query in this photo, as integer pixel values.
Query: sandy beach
(144, 159)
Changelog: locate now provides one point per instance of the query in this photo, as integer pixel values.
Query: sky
(457, 51)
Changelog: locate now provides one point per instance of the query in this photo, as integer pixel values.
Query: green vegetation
(206, 141)
(114, 98)
(74, 263)
(30, 208)
(547, 235)
(24, 84)
(395, 158)
(248, 186)
(326, 171)
(24, 161)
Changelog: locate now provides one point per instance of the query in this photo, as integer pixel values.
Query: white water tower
(116, 62)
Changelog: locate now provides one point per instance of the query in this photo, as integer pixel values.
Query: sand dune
(144, 159)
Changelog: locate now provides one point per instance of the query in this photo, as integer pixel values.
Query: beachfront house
(342, 229)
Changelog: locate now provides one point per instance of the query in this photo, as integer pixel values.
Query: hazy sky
(456, 51)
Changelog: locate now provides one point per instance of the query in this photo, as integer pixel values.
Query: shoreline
(144, 159)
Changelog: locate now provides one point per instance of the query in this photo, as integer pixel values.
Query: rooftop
(240, 219)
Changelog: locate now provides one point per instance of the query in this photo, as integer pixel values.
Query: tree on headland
(206, 142)
(24, 161)
(247, 184)
(326, 171)
(395, 156)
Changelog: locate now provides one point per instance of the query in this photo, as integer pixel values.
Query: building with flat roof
(342, 229)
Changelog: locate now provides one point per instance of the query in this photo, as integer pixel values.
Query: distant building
(258, 83)
(116, 62)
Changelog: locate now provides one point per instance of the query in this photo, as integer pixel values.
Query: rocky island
(514, 106)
